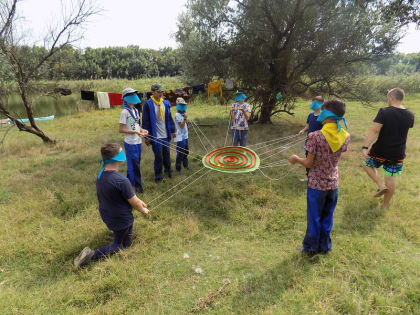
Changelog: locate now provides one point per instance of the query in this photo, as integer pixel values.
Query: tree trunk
(22, 127)
(267, 108)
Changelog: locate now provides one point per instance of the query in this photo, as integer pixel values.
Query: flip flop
(381, 192)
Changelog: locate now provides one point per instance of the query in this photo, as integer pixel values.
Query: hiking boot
(84, 257)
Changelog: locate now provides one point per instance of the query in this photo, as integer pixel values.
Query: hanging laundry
(215, 87)
(229, 84)
(187, 90)
(115, 99)
(198, 88)
(171, 97)
(87, 95)
(103, 100)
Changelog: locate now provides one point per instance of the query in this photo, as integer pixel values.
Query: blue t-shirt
(113, 190)
(314, 125)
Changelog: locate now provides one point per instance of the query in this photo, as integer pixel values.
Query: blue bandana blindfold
(120, 157)
(181, 107)
(315, 105)
(132, 99)
(240, 97)
(325, 113)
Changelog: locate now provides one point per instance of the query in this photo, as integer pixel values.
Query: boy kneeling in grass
(116, 199)
(324, 150)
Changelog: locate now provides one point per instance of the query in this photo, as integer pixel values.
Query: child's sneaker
(84, 257)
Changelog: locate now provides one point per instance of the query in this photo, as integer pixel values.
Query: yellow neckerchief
(161, 108)
(334, 137)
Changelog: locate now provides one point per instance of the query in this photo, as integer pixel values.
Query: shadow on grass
(360, 217)
(266, 289)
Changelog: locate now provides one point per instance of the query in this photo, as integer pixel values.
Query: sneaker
(159, 180)
(305, 179)
(84, 257)
(139, 190)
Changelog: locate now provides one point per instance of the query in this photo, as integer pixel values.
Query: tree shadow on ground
(265, 290)
(360, 217)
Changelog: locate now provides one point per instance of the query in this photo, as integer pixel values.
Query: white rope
(283, 145)
(173, 147)
(173, 187)
(287, 174)
(273, 142)
(283, 148)
(180, 190)
(211, 144)
(199, 138)
(227, 131)
(274, 165)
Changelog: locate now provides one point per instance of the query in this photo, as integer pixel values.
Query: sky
(146, 23)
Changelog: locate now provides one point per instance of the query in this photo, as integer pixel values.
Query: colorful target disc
(232, 160)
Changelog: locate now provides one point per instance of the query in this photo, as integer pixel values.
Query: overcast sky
(146, 23)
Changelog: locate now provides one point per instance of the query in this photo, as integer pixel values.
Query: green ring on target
(232, 160)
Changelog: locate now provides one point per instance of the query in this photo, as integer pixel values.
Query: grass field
(242, 231)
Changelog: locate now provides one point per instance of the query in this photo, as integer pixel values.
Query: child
(130, 127)
(239, 115)
(312, 124)
(181, 137)
(390, 127)
(116, 200)
(324, 150)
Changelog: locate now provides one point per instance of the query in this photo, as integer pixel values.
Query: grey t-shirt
(160, 124)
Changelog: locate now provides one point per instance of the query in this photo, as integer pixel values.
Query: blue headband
(132, 99)
(120, 157)
(316, 105)
(325, 113)
(240, 97)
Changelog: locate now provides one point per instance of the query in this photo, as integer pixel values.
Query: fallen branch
(203, 303)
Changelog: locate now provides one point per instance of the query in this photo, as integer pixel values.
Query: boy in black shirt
(390, 128)
(116, 200)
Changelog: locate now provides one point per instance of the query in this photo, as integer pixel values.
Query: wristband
(364, 147)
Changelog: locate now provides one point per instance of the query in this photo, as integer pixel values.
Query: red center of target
(230, 159)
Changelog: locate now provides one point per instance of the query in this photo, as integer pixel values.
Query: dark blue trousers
(239, 137)
(162, 151)
(182, 151)
(321, 205)
(133, 153)
(122, 239)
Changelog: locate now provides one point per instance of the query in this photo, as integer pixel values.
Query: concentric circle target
(232, 160)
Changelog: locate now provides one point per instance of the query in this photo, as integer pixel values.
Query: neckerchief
(334, 136)
(161, 108)
(136, 116)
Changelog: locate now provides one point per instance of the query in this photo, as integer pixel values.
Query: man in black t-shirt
(116, 199)
(390, 127)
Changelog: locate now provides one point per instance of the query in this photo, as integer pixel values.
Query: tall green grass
(243, 228)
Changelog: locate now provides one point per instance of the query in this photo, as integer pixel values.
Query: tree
(29, 63)
(287, 46)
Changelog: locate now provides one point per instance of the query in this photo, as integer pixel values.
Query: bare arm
(141, 133)
(138, 204)
(372, 136)
(304, 129)
(308, 162)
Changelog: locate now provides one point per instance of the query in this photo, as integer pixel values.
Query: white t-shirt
(181, 133)
(131, 124)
